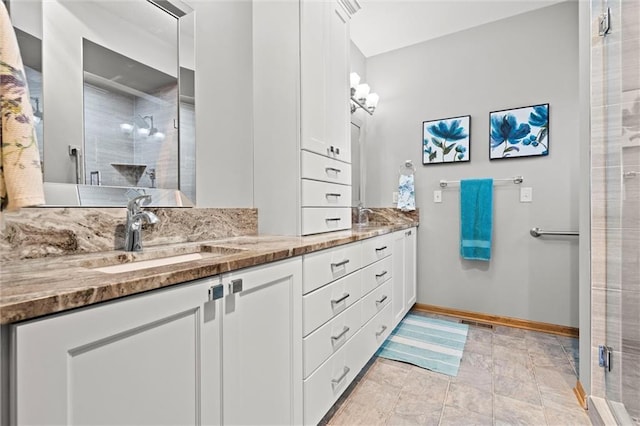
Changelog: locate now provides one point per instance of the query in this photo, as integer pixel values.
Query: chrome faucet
(363, 217)
(135, 217)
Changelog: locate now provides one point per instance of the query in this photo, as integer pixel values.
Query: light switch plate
(437, 196)
(526, 194)
(395, 197)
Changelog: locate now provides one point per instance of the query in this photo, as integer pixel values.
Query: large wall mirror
(112, 89)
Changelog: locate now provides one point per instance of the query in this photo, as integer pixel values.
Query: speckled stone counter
(31, 288)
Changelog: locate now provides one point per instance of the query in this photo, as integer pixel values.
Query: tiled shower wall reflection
(615, 202)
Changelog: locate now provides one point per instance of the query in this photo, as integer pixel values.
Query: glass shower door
(616, 78)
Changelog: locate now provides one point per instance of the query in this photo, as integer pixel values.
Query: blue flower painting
(519, 132)
(446, 140)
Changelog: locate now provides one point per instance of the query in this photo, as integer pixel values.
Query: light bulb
(362, 91)
(354, 79)
(372, 101)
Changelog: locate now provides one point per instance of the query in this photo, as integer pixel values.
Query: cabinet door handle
(407, 233)
(342, 376)
(337, 265)
(333, 194)
(342, 299)
(382, 299)
(216, 292)
(381, 274)
(381, 248)
(332, 169)
(382, 330)
(344, 331)
(235, 286)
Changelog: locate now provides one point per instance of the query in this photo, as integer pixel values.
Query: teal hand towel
(476, 218)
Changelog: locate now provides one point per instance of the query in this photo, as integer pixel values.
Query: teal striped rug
(429, 343)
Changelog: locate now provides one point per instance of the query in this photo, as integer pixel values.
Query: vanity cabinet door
(324, 38)
(410, 279)
(149, 359)
(262, 345)
(404, 272)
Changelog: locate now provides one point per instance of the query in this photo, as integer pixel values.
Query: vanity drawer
(324, 194)
(324, 266)
(326, 340)
(317, 167)
(325, 219)
(326, 302)
(376, 248)
(375, 301)
(330, 380)
(373, 334)
(376, 274)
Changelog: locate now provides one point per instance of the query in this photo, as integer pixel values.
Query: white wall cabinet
(301, 115)
(151, 359)
(169, 356)
(324, 53)
(404, 272)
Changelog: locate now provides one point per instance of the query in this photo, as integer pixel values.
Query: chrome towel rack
(537, 232)
(515, 179)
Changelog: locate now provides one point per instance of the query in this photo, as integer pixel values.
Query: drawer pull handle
(216, 292)
(382, 299)
(333, 194)
(236, 286)
(342, 299)
(382, 330)
(342, 376)
(381, 248)
(381, 274)
(333, 219)
(332, 169)
(344, 331)
(337, 265)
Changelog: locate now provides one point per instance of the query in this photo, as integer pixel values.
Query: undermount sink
(135, 261)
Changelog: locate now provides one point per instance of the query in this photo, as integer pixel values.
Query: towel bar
(515, 179)
(537, 232)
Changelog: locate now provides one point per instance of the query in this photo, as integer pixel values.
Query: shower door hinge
(604, 356)
(604, 22)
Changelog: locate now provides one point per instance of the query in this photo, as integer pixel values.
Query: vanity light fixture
(361, 96)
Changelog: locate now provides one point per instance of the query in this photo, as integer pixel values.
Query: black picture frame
(446, 140)
(519, 132)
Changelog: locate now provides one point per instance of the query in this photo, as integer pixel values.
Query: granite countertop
(36, 287)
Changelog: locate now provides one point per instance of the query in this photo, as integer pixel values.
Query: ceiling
(385, 25)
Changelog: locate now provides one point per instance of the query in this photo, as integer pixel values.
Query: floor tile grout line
(535, 379)
(493, 385)
(444, 402)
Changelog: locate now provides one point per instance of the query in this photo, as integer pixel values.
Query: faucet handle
(135, 203)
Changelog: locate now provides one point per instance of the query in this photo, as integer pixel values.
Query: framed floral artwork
(447, 140)
(519, 132)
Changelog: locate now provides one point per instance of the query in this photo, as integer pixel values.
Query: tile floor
(507, 376)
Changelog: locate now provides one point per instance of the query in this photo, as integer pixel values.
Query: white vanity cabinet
(262, 345)
(346, 317)
(404, 272)
(169, 356)
(147, 359)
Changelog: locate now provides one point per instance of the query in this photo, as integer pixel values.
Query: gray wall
(224, 91)
(524, 60)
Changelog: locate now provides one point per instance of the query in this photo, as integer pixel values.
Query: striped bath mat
(429, 343)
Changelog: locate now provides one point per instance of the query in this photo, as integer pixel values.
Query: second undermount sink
(135, 261)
